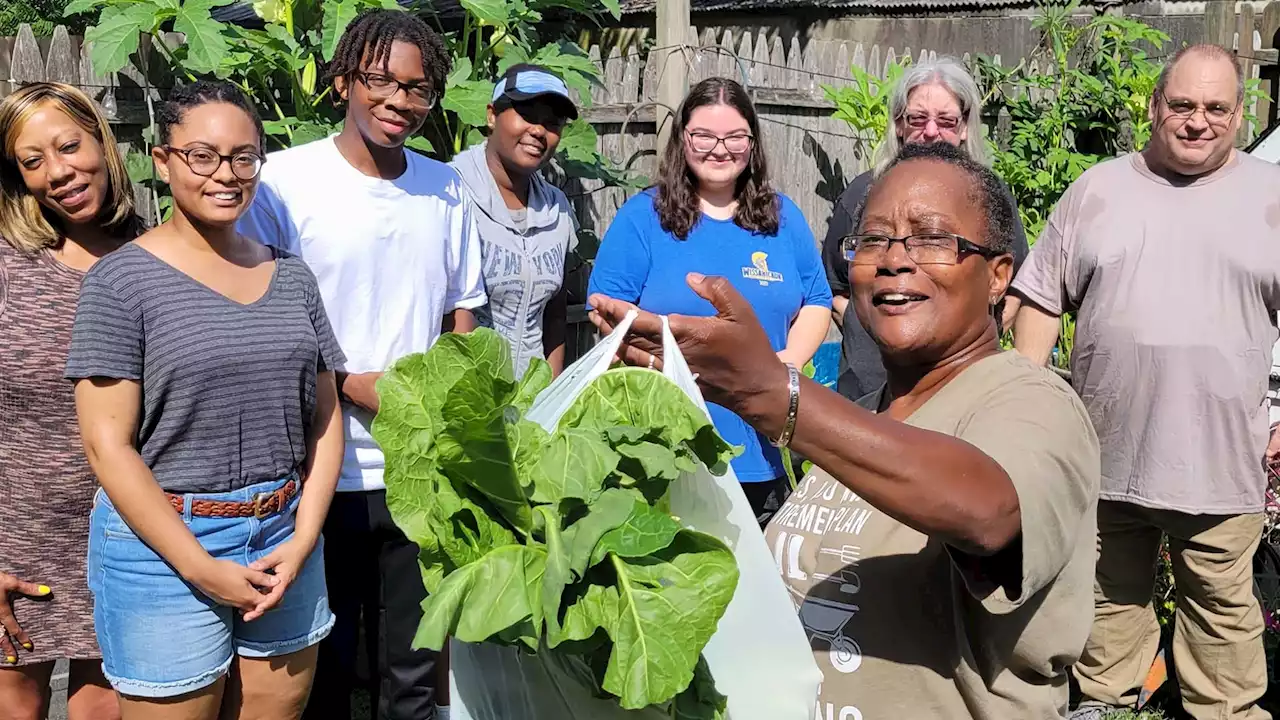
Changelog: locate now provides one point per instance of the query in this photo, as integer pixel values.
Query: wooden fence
(811, 154)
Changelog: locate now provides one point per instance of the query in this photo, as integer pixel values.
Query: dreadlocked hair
(369, 37)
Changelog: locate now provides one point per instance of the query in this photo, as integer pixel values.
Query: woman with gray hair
(936, 101)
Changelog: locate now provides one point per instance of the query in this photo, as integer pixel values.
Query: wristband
(793, 406)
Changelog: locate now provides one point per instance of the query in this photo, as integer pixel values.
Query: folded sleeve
(1042, 279)
(1040, 434)
(107, 337)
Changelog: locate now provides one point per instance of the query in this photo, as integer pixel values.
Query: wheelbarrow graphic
(825, 619)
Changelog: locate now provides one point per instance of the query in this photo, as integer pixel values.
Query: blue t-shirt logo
(761, 270)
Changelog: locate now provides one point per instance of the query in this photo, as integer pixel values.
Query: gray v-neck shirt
(228, 389)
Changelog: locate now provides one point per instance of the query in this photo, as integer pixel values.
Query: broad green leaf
(461, 72)
(557, 574)
(528, 441)
(606, 514)
(75, 7)
(701, 700)
(484, 598)
(596, 609)
(656, 462)
(488, 12)
(573, 66)
(573, 465)
(578, 141)
(140, 166)
(537, 377)
(337, 15)
(668, 607)
(271, 11)
(646, 531)
(470, 100)
(635, 396)
(421, 144)
(311, 131)
(115, 37)
(614, 7)
(204, 41)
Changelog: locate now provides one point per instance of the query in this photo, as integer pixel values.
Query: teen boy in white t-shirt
(392, 241)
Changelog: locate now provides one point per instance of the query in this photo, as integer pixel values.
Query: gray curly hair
(951, 74)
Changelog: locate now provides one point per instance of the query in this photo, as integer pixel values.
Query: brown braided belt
(262, 506)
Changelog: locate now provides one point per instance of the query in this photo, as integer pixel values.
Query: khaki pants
(1217, 636)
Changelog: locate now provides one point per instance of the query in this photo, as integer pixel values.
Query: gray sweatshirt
(524, 254)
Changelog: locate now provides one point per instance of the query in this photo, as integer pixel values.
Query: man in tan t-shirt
(1170, 259)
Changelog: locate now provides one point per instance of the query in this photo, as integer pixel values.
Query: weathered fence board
(784, 75)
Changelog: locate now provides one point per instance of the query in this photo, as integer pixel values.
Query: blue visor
(529, 84)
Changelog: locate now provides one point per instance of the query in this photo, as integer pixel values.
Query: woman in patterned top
(65, 201)
(526, 224)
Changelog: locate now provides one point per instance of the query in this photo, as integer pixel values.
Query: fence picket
(63, 64)
(28, 63)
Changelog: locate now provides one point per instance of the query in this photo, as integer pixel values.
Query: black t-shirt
(861, 369)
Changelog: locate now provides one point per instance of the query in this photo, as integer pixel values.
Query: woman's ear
(341, 86)
(160, 157)
(1001, 277)
(492, 118)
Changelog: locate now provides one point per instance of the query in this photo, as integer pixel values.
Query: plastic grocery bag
(760, 655)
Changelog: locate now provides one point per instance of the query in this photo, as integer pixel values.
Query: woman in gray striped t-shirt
(204, 367)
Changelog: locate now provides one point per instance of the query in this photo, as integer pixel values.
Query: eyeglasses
(701, 142)
(920, 122)
(383, 87)
(923, 249)
(1215, 114)
(205, 162)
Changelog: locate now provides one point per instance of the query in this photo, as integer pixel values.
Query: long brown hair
(24, 223)
(677, 201)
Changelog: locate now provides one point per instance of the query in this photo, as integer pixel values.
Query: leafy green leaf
(583, 537)
(337, 15)
(646, 531)
(470, 100)
(668, 606)
(115, 37)
(75, 7)
(635, 396)
(140, 166)
(701, 700)
(421, 144)
(573, 465)
(205, 45)
(484, 598)
(596, 609)
(536, 379)
(488, 12)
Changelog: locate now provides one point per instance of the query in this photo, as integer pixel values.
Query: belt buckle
(261, 505)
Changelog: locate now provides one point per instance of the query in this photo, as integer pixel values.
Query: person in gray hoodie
(526, 224)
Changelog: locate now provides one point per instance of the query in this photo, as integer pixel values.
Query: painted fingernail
(11, 660)
(28, 646)
(44, 589)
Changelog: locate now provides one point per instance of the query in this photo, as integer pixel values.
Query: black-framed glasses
(385, 86)
(923, 249)
(705, 142)
(205, 162)
(1214, 113)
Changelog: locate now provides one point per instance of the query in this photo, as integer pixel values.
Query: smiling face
(391, 120)
(923, 314)
(223, 129)
(527, 134)
(933, 114)
(1195, 118)
(718, 168)
(63, 165)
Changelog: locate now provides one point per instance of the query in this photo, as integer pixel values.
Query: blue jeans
(160, 636)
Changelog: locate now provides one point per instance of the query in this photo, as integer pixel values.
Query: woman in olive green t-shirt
(941, 552)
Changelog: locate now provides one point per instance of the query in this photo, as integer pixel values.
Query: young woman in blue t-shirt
(713, 212)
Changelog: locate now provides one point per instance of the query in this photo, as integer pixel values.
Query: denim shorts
(160, 636)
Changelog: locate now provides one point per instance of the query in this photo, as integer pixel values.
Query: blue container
(826, 364)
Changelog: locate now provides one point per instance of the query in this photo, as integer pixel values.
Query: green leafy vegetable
(557, 540)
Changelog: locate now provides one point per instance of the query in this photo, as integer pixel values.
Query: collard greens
(558, 542)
